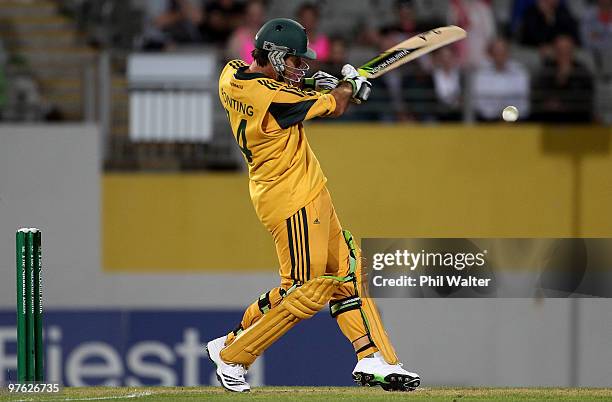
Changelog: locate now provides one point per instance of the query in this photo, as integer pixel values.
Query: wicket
(30, 351)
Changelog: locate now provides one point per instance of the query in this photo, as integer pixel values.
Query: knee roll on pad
(343, 305)
(268, 300)
(300, 303)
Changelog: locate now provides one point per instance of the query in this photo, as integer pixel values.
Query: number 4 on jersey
(242, 142)
(241, 136)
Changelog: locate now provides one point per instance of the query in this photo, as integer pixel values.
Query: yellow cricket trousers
(310, 243)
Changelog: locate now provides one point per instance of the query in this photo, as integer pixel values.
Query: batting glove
(321, 81)
(361, 85)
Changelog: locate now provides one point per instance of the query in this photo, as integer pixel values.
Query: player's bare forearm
(342, 94)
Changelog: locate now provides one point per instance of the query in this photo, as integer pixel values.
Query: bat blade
(411, 49)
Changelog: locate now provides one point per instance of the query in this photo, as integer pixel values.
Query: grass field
(319, 394)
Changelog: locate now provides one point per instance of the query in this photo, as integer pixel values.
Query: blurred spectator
(563, 91)
(597, 30)
(392, 81)
(152, 37)
(543, 22)
(241, 42)
(406, 93)
(406, 18)
(499, 83)
(447, 84)
(177, 23)
(338, 56)
(221, 18)
(23, 99)
(519, 7)
(476, 17)
(418, 93)
(308, 16)
(402, 20)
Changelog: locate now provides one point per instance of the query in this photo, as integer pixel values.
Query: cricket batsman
(320, 263)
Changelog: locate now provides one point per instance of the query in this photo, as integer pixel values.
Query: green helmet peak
(286, 35)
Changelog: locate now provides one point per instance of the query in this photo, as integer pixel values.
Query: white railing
(171, 97)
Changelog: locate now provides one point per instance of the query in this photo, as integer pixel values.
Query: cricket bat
(411, 49)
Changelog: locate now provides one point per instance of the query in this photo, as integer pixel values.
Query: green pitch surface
(319, 394)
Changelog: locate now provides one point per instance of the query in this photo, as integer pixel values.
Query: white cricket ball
(510, 113)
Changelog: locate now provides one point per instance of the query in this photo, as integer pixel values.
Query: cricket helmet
(286, 35)
(282, 37)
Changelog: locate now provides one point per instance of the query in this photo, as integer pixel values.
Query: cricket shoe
(231, 376)
(373, 371)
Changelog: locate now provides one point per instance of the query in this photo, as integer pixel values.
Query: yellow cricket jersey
(266, 118)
